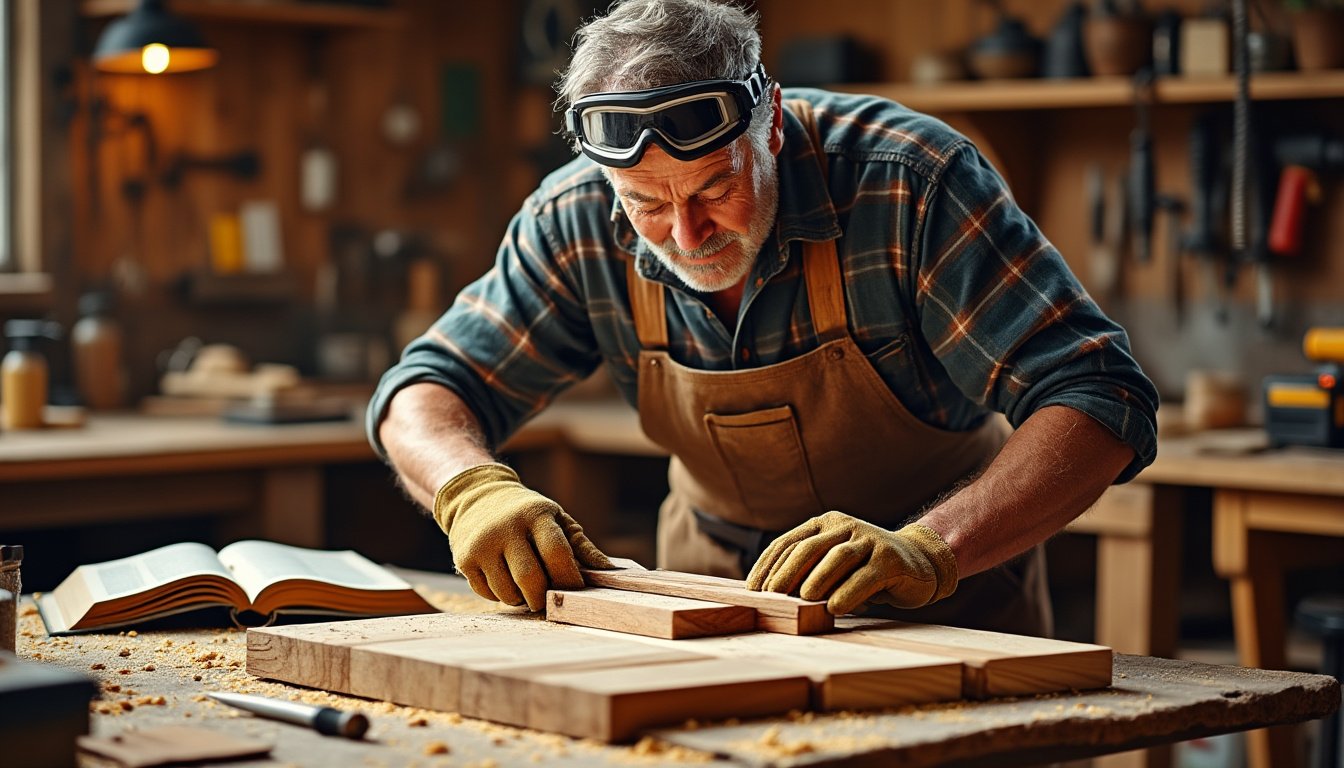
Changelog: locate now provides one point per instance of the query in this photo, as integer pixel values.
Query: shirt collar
(805, 210)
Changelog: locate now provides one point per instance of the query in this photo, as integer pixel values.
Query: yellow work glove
(511, 542)
(847, 562)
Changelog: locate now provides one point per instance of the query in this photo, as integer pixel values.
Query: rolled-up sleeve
(1009, 322)
(510, 341)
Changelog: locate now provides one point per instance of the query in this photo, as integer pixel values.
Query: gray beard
(737, 250)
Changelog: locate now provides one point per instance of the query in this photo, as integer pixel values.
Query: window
(37, 50)
(7, 257)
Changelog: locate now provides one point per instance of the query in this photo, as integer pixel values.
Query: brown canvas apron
(759, 451)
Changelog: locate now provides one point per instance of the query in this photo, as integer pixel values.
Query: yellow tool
(1308, 409)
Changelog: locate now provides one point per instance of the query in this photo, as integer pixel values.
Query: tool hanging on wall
(1174, 208)
(137, 162)
(1302, 158)
(1248, 181)
(1103, 259)
(319, 170)
(1142, 177)
(1208, 204)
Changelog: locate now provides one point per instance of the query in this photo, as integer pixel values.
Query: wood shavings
(436, 748)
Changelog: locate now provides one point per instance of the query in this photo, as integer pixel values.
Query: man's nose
(691, 227)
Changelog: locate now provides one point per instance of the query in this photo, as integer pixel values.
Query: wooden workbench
(1152, 701)
(265, 480)
(1273, 510)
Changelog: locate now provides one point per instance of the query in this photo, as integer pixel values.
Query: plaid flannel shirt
(957, 299)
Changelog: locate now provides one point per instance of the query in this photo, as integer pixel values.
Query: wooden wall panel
(261, 97)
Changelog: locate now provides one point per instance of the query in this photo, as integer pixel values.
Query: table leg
(1246, 559)
(1138, 528)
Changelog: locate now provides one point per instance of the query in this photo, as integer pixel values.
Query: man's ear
(777, 124)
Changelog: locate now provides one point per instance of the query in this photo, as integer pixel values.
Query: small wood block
(617, 704)
(172, 745)
(318, 655)
(994, 663)
(774, 612)
(640, 613)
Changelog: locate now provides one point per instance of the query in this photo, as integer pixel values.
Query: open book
(260, 577)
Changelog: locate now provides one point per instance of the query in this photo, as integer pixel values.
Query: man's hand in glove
(511, 542)
(846, 562)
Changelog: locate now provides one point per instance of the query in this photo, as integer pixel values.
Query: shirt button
(746, 354)
(760, 281)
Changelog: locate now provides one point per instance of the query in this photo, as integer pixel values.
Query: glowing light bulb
(154, 58)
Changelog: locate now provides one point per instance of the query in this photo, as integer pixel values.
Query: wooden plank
(774, 612)
(842, 675)
(485, 675)
(672, 618)
(618, 704)
(501, 689)
(994, 663)
(318, 655)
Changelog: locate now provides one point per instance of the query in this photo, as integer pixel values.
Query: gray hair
(653, 43)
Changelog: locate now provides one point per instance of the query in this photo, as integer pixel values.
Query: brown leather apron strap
(646, 306)
(821, 263)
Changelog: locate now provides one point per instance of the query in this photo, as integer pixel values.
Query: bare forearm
(431, 435)
(1051, 470)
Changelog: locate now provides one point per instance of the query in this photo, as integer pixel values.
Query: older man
(818, 303)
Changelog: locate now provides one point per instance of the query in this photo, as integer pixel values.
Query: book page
(256, 565)
(131, 575)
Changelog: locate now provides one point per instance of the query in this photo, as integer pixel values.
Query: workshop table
(262, 480)
(153, 678)
(1273, 511)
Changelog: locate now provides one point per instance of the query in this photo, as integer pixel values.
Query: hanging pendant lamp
(151, 40)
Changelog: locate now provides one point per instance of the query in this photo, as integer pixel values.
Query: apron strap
(646, 306)
(821, 263)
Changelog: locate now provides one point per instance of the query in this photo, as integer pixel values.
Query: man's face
(705, 219)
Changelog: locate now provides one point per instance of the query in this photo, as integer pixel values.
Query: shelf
(264, 12)
(1001, 95)
(25, 293)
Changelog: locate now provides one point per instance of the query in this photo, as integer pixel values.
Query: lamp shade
(151, 40)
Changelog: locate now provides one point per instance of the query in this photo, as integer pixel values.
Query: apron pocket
(763, 453)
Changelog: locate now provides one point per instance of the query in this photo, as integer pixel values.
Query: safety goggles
(688, 121)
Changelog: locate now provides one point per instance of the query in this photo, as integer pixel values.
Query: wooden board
(618, 704)
(672, 618)
(774, 612)
(843, 675)
(593, 683)
(318, 655)
(487, 675)
(994, 663)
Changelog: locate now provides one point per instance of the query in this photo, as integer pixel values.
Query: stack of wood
(642, 649)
